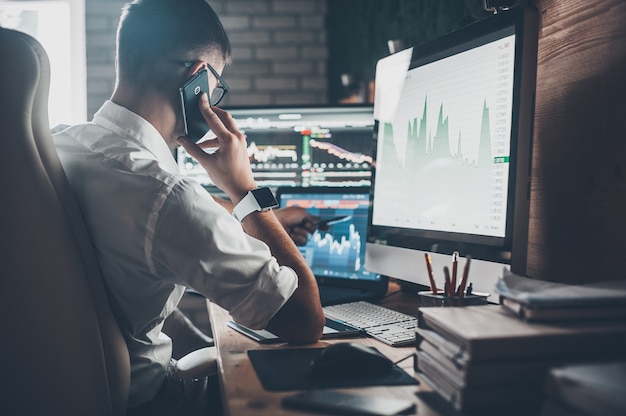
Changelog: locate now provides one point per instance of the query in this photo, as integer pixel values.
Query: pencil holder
(428, 298)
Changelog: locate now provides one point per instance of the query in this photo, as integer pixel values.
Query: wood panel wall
(578, 190)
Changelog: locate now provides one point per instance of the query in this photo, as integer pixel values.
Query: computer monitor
(302, 146)
(336, 252)
(453, 148)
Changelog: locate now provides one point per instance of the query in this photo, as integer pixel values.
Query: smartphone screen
(195, 125)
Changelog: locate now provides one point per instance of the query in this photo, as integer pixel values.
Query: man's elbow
(309, 333)
(306, 329)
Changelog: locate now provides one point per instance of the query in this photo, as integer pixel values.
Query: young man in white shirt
(157, 232)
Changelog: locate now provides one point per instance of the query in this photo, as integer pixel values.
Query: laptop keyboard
(391, 327)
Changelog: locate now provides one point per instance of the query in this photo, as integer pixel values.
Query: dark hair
(151, 32)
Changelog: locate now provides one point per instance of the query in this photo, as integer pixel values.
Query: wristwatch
(260, 199)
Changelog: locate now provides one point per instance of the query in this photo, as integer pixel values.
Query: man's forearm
(301, 319)
(224, 203)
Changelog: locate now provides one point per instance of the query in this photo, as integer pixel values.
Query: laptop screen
(336, 253)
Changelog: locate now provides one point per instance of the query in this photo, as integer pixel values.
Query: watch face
(265, 198)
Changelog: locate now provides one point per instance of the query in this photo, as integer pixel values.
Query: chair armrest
(199, 363)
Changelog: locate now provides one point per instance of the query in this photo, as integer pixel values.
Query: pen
(429, 267)
(447, 290)
(332, 221)
(461, 290)
(455, 263)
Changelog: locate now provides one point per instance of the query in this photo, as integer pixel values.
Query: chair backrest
(62, 350)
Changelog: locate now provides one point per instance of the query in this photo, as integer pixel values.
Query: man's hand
(298, 223)
(229, 165)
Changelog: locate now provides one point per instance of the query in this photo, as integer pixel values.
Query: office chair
(61, 348)
(62, 351)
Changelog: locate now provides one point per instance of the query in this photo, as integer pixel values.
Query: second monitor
(302, 146)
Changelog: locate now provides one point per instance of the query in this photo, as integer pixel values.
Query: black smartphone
(195, 125)
(335, 402)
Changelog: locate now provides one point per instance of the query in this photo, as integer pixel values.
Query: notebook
(337, 255)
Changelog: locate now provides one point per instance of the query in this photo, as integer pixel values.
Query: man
(157, 232)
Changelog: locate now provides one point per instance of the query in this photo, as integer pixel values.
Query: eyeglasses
(220, 90)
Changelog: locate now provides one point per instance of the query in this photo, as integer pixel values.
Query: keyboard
(388, 326)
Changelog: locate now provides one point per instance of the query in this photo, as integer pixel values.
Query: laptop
(337, 254)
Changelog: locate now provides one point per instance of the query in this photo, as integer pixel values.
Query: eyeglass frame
(221, 84)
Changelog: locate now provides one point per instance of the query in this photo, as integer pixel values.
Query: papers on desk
(536, 300)
(589, 389)
(332, 329)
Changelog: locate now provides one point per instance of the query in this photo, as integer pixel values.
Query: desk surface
(243, 394)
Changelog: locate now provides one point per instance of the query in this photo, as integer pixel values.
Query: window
(59, 25)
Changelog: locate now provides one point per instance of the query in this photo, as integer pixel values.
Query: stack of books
(482, 358)
(536, 300)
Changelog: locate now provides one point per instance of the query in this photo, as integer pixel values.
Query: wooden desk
(243, 394)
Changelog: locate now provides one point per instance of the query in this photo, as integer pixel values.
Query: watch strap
(260, 199)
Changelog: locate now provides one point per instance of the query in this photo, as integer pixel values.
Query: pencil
(461, 290)
(429, 267)
(448, 292)
(455, 263)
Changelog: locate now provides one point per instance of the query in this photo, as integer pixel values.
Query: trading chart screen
(303, 146)
(447, 137)
(338, 250)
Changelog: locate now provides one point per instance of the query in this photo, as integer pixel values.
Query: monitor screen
(302, 146)
(336, 251)
(453, 142)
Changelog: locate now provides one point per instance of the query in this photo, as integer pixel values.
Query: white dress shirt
(157, 232)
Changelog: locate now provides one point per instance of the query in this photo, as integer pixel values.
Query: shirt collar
(135, 128)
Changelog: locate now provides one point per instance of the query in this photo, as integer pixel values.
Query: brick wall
(279, 51)
(101, 17)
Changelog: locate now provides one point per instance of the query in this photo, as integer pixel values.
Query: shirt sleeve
(197, 243)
